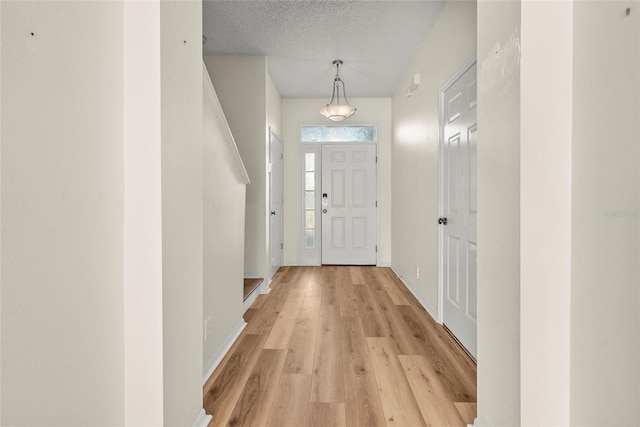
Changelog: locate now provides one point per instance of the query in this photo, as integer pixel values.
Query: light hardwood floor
(341, 346)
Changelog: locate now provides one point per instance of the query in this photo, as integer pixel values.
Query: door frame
(273, 135)
(441, 119)
(305, 257)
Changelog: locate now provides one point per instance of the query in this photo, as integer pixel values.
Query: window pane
(338, 133)
(310, 181)
(310, 162)
(310, 219)
(310, 239)
(309, 200)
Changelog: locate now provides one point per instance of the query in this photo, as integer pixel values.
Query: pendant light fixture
(335, 110)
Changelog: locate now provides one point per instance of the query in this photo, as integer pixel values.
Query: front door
(275, 202)
(348, 204)
(459, 209)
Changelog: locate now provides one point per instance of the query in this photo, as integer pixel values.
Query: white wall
(499, 213)
(62, 219)
(182, 193)
(545, 202)
(449, 43)
(143, 374)
(0, 214)
(605, 311)
(74, 224)
(297, 112)
(577, 95)
(224, 213)
(241, 84)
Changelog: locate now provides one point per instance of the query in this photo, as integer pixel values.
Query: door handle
(273, 213)
(442, 220)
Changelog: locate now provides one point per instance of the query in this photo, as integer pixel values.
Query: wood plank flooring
(341, 346)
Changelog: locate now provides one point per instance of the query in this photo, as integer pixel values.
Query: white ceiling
(375, 39)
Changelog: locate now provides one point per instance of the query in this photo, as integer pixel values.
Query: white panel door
(348, 204)
(459, 221)
(275, 202)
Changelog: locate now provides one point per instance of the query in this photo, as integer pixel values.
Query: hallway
(343, 346)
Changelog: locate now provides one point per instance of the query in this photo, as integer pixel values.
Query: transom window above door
(355, 133)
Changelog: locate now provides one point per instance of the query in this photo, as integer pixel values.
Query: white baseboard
(251, 299)
(224, 348)
(476, 423)
(202, 420)
(263, 288)
(433, 313)
(384, 264)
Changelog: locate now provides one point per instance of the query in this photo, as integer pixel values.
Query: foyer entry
(338, 177)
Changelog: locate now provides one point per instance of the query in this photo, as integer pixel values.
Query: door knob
(442, 220)
(273, 212)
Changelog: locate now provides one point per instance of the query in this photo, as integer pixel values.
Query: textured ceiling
(375, 39)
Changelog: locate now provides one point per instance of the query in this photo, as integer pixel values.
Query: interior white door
(275, 202)
(348, 204)
(459, 210)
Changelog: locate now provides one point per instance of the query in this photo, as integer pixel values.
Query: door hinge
(376, 203)
(281, 245)
(281, 155)
(376, 159)
(376, 248)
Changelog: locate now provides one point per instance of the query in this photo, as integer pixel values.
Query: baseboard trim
(224, 348)
(433, 313)
(202, 420)
(263, 288)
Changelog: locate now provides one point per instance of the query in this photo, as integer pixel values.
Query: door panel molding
(349, 220)
(457, 290)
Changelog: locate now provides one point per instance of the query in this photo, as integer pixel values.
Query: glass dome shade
(337, 112)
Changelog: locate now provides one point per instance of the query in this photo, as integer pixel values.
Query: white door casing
(348, 204)
(458, 250)
(275, 202)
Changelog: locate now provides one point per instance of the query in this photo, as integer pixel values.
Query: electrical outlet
(207, 328)
(417, 272)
